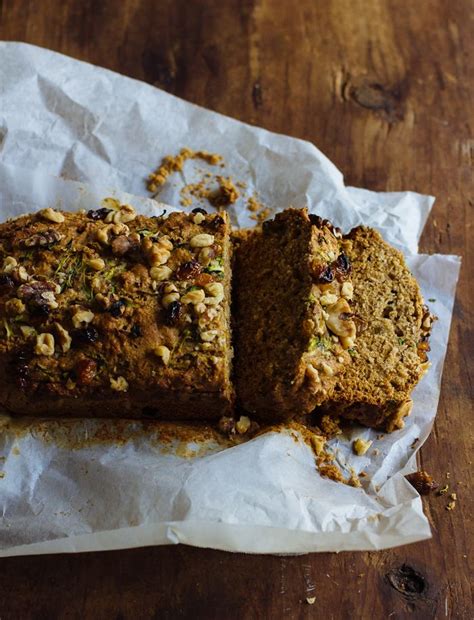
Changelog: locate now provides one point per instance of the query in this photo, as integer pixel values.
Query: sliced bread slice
(393, 326)
(293, 322)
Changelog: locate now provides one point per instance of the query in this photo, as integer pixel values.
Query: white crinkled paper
(61, 117)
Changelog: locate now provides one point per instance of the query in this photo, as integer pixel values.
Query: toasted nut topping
(169, 299)
(170, 288)
(49, 297)
(199, 218)
(158, 256)
(215, 289)
(205, 255)
(193, 297)
(120, 384)
(27, 331)
(119, 229)
(336, 321)
(424, 367)
(163, 352)
(126, 214)
(103, 301)
(23, 274)
(326, 368)
(360, 446)
(96, 264)
(14, 307)
(82, 316)
(405, 409)
(200, 308)
(209, 335)
(160, 273)
(328, 299)
(102, 235)
(347, 290)
(9, 264)
(318, 442)
(202, 240)
(347, 343)
(44, 344)
(99, 285)
(52, 215)
(243, 424)
(312, 375)
(165, 243)
(64, 337)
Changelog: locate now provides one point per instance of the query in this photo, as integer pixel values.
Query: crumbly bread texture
(393, 326)
(111, 313)
(292, 315)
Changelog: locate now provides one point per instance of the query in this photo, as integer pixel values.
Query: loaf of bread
(293, 319)
(393, 326)
(109, 313)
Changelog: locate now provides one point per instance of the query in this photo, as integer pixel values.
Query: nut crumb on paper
(360, 446)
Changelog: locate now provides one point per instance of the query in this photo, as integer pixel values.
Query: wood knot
(407, 581)
(376, 97)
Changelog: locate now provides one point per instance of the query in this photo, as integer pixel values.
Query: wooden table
(384, 89)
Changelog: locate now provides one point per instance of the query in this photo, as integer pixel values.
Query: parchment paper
(62, 117)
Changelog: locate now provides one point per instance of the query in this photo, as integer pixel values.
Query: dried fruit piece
(325, 275)
(188, 270)
(86, 335)
(117, 308)
(85, 371)
(173, 312)
(98, 214)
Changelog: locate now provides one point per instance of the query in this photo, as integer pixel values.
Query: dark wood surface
(385, 89)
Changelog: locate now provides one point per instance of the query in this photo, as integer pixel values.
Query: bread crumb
(451, 505)
(175, 163)
(225, 195)
(311, 600)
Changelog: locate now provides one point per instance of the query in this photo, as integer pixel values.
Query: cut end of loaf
(293, 316)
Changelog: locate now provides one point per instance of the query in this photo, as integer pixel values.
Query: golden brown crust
(113, 314)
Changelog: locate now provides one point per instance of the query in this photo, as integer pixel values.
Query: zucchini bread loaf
(293, 320)
(110, 313)
(393, 327)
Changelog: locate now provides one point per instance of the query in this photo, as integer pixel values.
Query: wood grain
(384, 88)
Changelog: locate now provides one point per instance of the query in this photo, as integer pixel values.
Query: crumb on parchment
(215, 189)
(175, 163)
